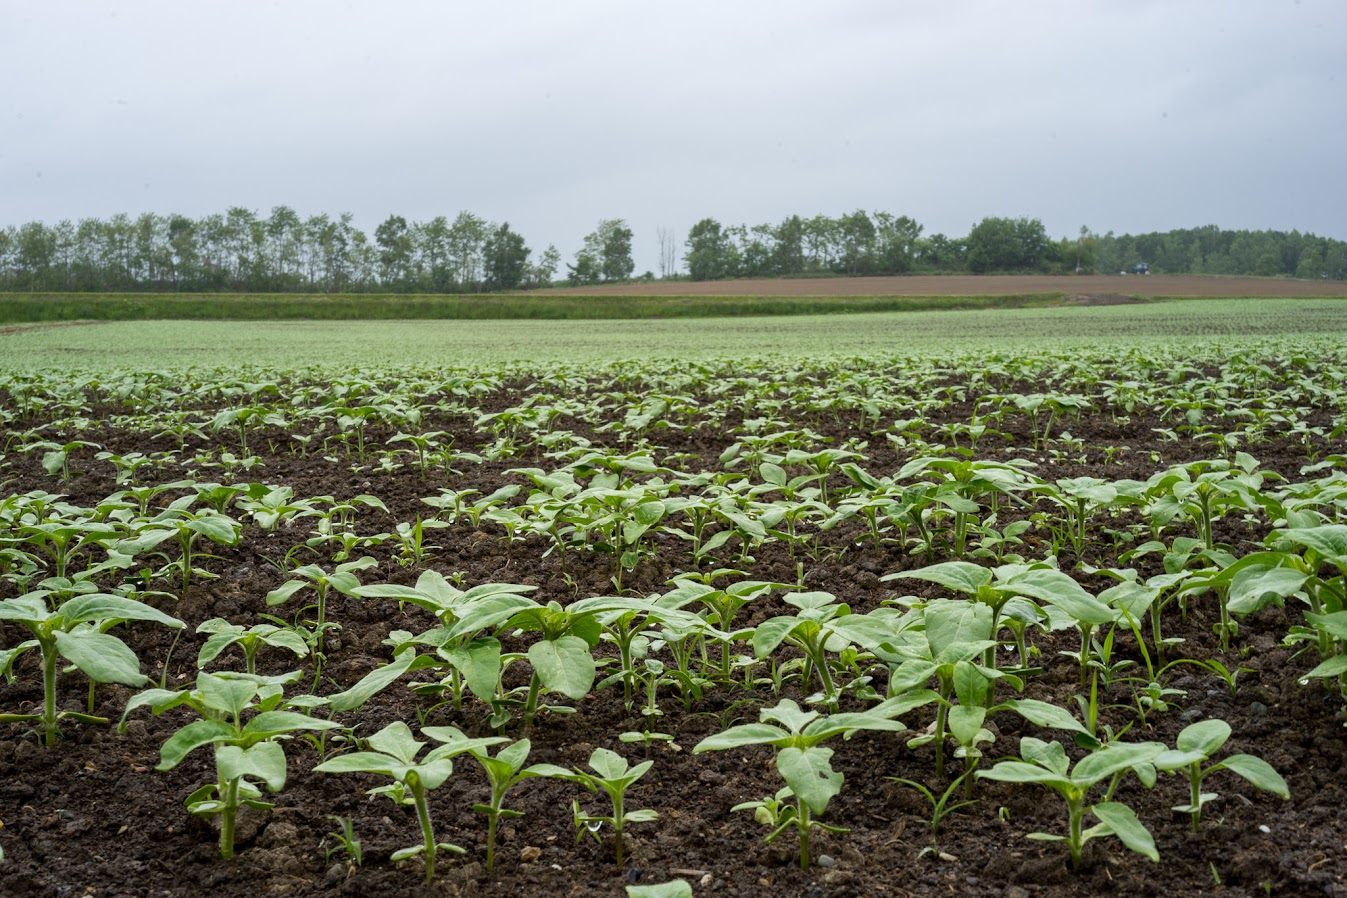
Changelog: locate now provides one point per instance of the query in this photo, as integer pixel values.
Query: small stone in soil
(825, 860)
(529, 854)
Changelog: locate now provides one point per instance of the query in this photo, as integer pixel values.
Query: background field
(1211, 325)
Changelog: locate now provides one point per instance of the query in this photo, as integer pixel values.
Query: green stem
(1077, 811)
(49, 657)
(1195, 792)
(427, 834)
(531, 705)
(227, 816)
(802, 816)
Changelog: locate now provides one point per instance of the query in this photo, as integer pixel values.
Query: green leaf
(564, 665)
(810, 775)
(190, 738)
(1020, 772)
(1258, 772)
(265, 760)
(377, 680)
(961, 576)
(677, 888)
(103, 658)
(272, 723)
(1044, 714)
(217, 528)
(479, 663)
(957, 630)
(228, 694)
(103, 607)
(1118, 756)
(745, 734)
(1123, 823)
(965, 721)
(1205, 737)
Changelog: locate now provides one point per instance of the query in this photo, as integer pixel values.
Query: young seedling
(503, 773)
(613, 777)
(1197, 744)
(223, 634)
(243, 751)
(394, 755)
(1046, 764)
(801, 759)
(941, 807)
(75, 631)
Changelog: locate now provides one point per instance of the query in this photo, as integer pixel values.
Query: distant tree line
(282, 252)
(880, 243)
(242, 251)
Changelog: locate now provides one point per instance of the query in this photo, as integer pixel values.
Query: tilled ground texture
(93, 816)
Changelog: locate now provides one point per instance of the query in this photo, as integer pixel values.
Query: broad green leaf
(1205, 736)
(271, 723)
(228, 694)
(396, 741)
(1122, 822)
(965, 721)
(265, 760)
(1020, 772)
(1333, 667)
(1118, 756)
(102, 607)
(1259, 773)
(479, 663)
(788, 714)
(377, 680)
(564, 665)
(961, 576)
(810, 775)
(745, 734)
(191, 737)
(1044, 714)
(102, 657)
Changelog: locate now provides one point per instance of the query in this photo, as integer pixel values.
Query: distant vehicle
(1139, 268)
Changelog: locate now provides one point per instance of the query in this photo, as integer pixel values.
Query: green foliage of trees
(282, 252)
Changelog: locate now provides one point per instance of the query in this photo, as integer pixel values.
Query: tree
(541, 274)
(857, 236)
(708, 251)
(788, 251)
(395, 252)
(616, 252)
(606, 254)
(467, 241)
(1007, 244)
(506, 259)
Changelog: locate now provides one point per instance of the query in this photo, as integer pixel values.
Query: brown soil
(972, 285)
(93, 817)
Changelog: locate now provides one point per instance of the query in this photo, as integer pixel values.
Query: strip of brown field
(974, 285)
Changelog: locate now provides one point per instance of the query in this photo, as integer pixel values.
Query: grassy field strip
(1189, 324)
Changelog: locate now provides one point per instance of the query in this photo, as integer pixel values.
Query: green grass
(1216, 327)
(16, 308)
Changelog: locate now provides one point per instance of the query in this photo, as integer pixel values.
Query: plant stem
(427, 834)
(49, 691)
(227, 816)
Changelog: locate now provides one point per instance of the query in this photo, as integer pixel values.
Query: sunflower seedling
(1196, 744)
(243, 751)
(394, 755)
(613, 777)
(801, 759)
(1046, 764)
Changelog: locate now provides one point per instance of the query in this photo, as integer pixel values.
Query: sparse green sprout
(394, 755)
(613, 777)
(1196, 745)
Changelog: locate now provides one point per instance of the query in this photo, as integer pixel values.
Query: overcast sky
(1121, 115)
